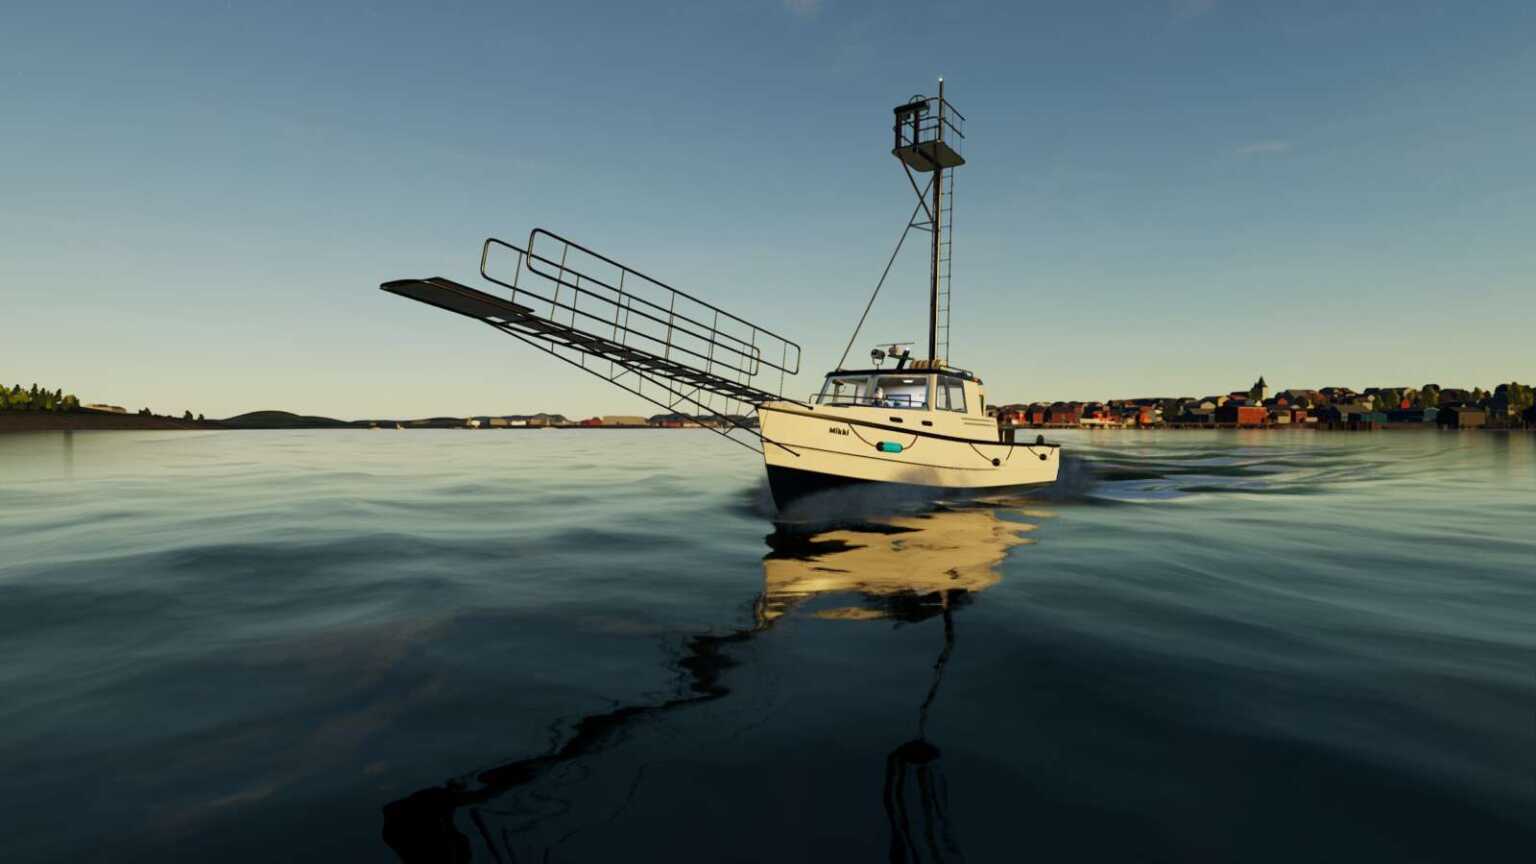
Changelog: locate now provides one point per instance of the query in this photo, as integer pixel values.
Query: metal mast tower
(928, 135)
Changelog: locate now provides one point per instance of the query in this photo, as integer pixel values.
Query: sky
(199, 200)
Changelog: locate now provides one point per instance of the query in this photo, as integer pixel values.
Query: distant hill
(289, 420)
(434, 423)
(285, 420)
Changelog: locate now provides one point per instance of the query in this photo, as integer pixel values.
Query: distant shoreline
(71, 421)
(90, 421)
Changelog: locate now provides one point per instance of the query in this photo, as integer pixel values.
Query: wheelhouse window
(949, 394)
(901, 391)
(845, 390)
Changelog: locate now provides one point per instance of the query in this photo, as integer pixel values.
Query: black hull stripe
(904, 430)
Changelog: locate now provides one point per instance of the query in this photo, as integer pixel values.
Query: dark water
(577, 646)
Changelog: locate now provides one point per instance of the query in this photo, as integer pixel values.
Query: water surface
(578, 646)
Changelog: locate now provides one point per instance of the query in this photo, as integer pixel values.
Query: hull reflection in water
(906, 568)
(896, 565)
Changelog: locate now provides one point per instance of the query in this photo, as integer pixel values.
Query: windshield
(950, 393)
(901, 391)
(845, 390)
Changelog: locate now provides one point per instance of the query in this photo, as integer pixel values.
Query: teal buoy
(888, 447)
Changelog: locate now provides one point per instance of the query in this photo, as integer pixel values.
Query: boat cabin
(904, 389)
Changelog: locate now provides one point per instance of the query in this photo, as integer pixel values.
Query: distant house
(1038, 414)
(538, 420)
(1462, 417)
(1345, 414)
(1063, 414)
(591, 421)
(1241, 415)
(496, 422)
(1094, 414)
(623, 420)
(110, 409)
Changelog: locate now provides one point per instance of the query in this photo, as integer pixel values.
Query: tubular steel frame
(687, 363)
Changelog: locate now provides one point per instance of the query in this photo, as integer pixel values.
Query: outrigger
(919, 425)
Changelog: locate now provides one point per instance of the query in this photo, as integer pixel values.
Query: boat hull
(809, 450)
(792, 486)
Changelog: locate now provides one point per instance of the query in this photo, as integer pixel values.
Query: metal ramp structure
(673, 350)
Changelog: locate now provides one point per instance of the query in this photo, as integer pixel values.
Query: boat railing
(594, 294)
(918, 122)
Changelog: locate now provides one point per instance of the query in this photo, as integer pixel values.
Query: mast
(938, 233)
(928, 134)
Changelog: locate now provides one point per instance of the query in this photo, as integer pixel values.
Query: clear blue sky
(199, 200)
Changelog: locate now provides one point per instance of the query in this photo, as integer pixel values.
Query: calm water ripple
(582, 646)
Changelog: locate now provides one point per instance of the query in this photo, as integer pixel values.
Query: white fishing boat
(902, 423)
(922, 428)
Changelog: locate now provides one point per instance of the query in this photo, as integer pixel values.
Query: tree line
(1514, 396)
(36, 398)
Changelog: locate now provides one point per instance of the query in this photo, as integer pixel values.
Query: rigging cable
(921, 203)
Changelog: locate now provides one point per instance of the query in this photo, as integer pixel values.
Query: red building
(1063, 414)
(1242, 415)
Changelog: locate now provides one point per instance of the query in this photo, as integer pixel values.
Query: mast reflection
(909, 569)
(906, 568)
